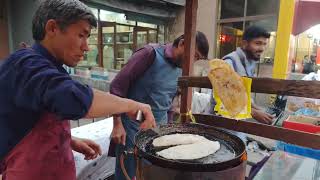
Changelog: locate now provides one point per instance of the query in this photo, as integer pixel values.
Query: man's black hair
(253, 32)
(201, 43)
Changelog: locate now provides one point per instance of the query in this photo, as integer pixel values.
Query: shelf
(118, 32)
(120, 43)
(94, 33)
(124, 42)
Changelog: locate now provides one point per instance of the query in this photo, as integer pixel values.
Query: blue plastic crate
(299, 150)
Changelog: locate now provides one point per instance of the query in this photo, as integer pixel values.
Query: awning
(306, 15)
(177, 2)
(149, 10)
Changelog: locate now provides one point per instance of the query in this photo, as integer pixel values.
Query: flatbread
(190, 151)
(177, 139)
(228, 85)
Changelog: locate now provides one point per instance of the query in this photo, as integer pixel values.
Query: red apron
(44, 154)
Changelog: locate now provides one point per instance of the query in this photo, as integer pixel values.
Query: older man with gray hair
(38, 97)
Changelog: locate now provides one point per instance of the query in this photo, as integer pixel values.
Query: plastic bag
(246, 113)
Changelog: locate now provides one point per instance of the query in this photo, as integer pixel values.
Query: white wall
(206, 23)
(176, 27)
(20, 21)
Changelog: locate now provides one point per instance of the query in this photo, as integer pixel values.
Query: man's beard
(250, 55)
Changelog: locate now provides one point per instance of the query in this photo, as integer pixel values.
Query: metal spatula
(140, 118)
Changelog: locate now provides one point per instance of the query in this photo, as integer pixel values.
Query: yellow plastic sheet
(246, 113)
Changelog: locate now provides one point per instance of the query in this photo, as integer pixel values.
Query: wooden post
(100, 43)
(157, 34)
(189, 50)
(115, 46)
(135, 36)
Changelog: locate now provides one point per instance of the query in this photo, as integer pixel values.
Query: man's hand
(86, 147)
(149, 121)
(118, 134)
(262, 116)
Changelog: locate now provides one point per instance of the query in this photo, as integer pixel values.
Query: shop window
(108, 47)
(232, 8)
(258, 7)
(120, 38)
(256, 13)
(161, 34)
(307, 51)
(91, 57)
(270, 23)
(142, 39)
(152, 36)
(95, 12)
(230, 36)
(124, 45)
(115, 17)
(154, 26)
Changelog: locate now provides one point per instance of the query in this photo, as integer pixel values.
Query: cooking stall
(230, 161)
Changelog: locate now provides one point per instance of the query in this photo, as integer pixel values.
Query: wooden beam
(299, 88)
(121, 24)
(272, 132)
(189, 50)
(107, 24)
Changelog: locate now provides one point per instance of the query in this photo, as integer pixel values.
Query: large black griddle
(231, 154)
